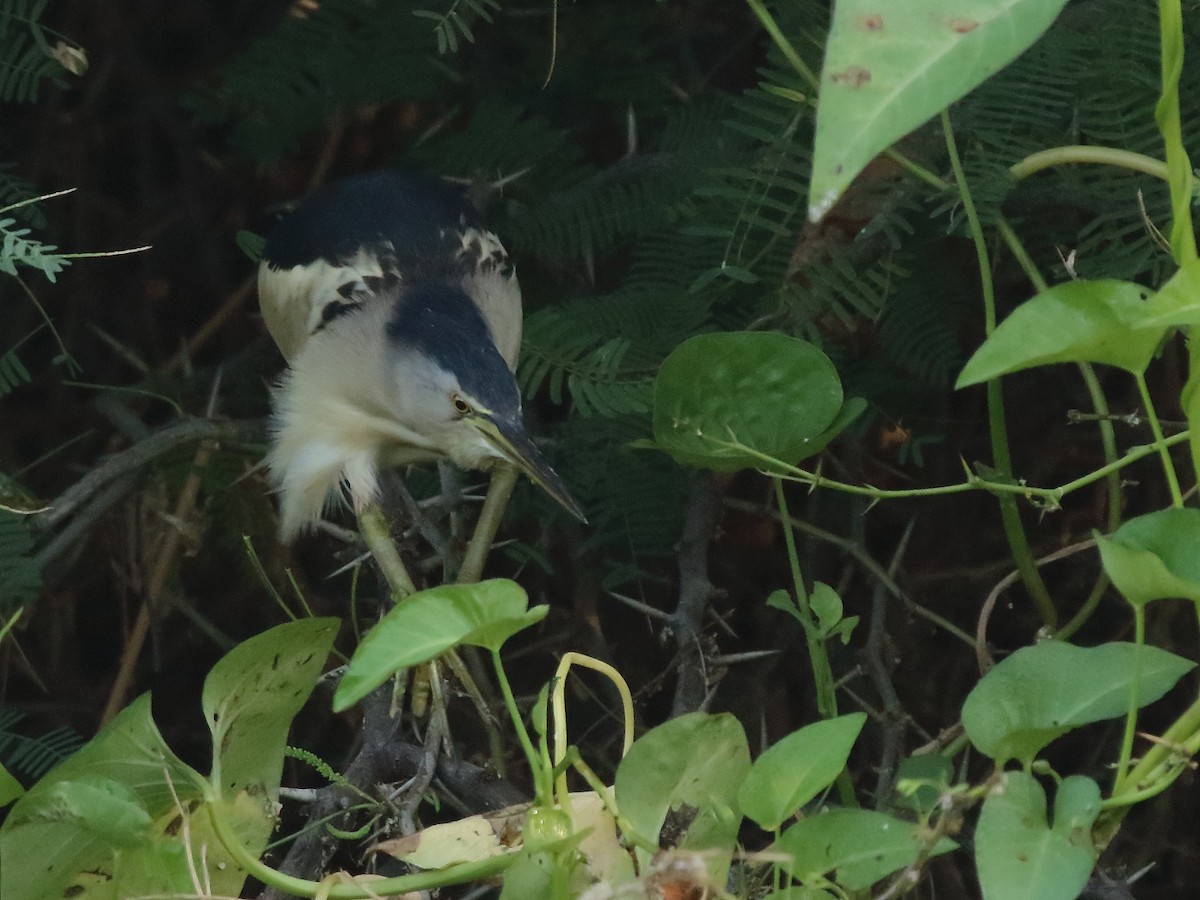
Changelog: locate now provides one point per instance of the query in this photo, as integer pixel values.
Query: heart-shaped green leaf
(796, 768)
(1043, 691)
(251, 696)
(1080, 321)
(735, 401)
(688, 769)
(1019, 855)
(1155, 556)
(860, 845)
(429, 623)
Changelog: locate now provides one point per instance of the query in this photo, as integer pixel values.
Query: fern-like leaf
(12, 372)
(305, 72)
(17, 248)
(26, 56)
(33, 757)
(455, 23)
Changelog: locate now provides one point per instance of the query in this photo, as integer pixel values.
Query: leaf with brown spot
(878, 84)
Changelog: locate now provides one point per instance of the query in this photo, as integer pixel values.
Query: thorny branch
(695, 591)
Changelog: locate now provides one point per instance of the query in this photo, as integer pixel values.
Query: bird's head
(452, 386)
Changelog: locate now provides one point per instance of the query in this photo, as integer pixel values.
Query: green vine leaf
(739, 400)
(1101, 321)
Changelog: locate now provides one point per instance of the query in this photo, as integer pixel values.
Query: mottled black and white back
(327, 256)
(400, 318)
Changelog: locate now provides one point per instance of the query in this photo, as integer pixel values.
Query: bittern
(399, 315)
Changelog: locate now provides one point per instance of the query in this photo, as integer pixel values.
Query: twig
(982, 656)
(384, 759)
(695, 590)
(864, 559)
(137, 457)
(893, 711)
(434, 736)
(205, 332)
(172, 539)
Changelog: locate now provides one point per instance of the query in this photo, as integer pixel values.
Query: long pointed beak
(513, 443)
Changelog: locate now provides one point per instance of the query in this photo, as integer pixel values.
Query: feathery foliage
(33, 757)
(18, 248)
(27, 57)
(455, 23)
(310, 70)
(12, 371)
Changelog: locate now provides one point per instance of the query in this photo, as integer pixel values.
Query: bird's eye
(460, 404)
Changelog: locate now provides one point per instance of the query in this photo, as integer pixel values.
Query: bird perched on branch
(400, 317)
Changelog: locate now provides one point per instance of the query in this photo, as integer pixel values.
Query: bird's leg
(378, 538)
(504, 479)
(377, 535)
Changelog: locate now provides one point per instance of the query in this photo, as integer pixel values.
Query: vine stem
(542, 785)
(822, 674)
(1074, 154)
(1018, 541)
(1159, 442)
(1139, 638)
(382, 887)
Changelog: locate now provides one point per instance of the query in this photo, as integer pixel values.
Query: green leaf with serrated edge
(251, 696)
(768, 392)
(795, 769)
(1019, 855)
(889, 67)
(860, 846)
(1041, 692)
(689, 768)
(429, 623)
(1079, 321)
(1155, 556)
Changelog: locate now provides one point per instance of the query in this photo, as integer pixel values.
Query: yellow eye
(460, 404)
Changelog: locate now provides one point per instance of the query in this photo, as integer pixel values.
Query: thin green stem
(1050, 496)
(461, 873)
(1074, 154)
(1160, 442)
(1108, 438)
(543, 788)
(1158, 760)
(1139, 638)
(917, 170)
(1170, 124)
(785, 46)
(1010, 515)
(818, 658)
(378, 537)
(1085, 610)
